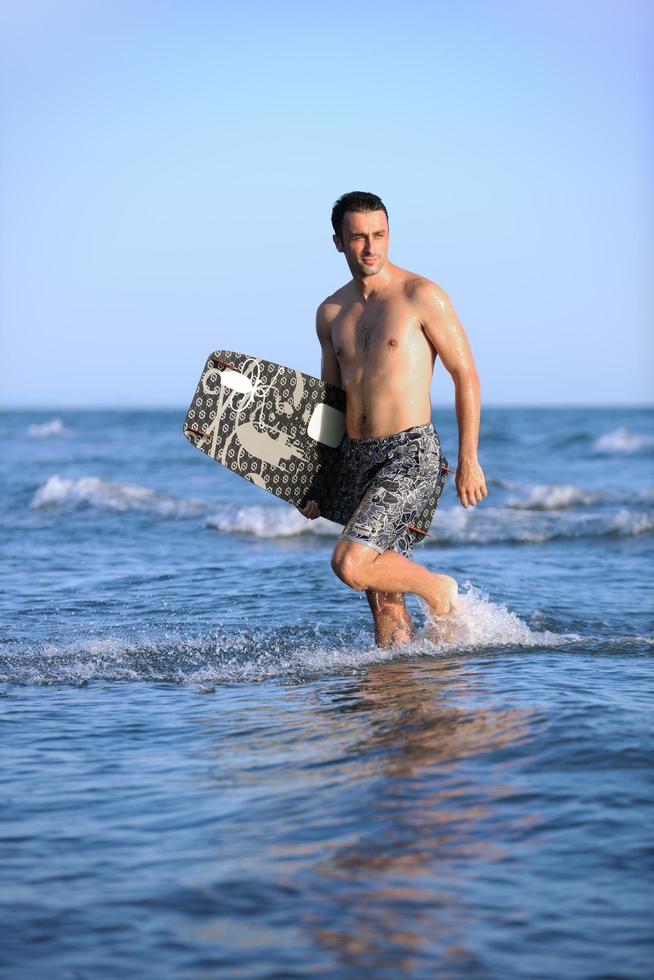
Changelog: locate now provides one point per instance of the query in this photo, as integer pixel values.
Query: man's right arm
(329, 372)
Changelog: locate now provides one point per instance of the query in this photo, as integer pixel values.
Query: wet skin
(380, 336)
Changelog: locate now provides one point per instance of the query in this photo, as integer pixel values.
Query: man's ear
(338, 243)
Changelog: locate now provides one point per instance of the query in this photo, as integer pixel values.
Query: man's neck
(370, 286)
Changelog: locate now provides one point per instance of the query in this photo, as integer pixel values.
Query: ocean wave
(269, 522)
(46, 430)
(559, 496)
(63, 493)
(259, 655)
(554, 496)
(622, 441)
(538, 514)
(497, 525)
(452, 525)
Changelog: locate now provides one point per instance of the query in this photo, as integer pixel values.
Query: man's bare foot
(442, 625)
(443, 598)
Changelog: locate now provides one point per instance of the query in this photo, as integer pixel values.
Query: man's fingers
(311, 510)
(472, 496)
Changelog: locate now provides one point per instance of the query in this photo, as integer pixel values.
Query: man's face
(364, 242)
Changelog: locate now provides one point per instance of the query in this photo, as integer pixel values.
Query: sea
(207, 768)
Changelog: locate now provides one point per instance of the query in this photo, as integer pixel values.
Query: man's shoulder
(339, 297)
(419, 289)
(332, 305)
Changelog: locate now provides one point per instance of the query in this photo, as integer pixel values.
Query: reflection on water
(398, 895)
(371, 812)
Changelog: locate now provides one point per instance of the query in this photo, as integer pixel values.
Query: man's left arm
(444, 331)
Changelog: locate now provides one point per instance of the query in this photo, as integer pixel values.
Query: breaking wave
(621, 440)
(532, 514)
(553, 497)
(497, 525)
(558, 496)
(63, 493)
(269, 522)
(46, 430)
(452, 525)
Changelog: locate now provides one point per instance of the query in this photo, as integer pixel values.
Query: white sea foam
(535, 524)
(553, 496)
(621, 440)
(544, 513)
(46, 430)
(61, 493)
(269, 522)
(497, 525)
(631, 523)
(557, 496)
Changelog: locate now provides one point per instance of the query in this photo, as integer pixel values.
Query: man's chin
(372, 269)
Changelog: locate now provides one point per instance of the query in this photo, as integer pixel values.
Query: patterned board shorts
(391, 480)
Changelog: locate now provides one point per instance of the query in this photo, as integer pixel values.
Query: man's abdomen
(382, 403)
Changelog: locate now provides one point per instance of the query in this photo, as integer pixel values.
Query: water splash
(238, 656)
(479, 623)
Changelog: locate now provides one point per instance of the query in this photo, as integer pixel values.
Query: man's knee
(348, 566)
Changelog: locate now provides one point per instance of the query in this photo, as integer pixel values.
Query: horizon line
(435, 406)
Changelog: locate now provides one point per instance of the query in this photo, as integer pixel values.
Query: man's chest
(371, 332)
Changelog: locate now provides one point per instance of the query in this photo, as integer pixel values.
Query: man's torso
(385, 360)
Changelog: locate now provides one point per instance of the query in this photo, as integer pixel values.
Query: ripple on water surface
(450, 813)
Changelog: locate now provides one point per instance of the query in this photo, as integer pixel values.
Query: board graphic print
(280, 429)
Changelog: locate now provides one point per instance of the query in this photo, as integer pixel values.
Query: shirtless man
(380, 335)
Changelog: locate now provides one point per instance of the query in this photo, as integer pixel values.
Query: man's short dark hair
(355, 201)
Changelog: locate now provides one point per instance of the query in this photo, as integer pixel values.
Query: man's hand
(470, 482)
(311, 510)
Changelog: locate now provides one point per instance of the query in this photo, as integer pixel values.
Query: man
(380, 335)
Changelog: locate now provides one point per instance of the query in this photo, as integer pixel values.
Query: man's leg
(392, 621)
(361, 567)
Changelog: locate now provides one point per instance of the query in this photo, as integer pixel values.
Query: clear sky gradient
(168, 170)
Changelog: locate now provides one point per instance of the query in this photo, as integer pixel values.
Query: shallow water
(209, 769)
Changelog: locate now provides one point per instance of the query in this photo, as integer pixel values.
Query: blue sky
(168, 171)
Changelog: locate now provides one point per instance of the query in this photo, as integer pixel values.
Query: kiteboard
(281, 430)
